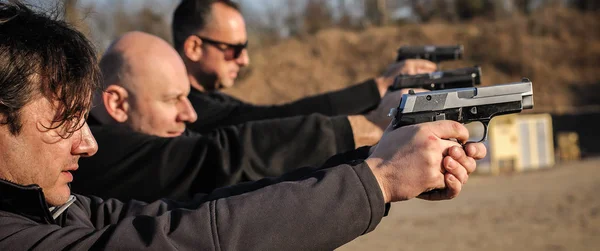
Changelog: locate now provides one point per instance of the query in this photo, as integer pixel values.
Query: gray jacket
(303, 210)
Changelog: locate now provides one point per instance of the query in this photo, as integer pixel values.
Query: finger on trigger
(448, 129)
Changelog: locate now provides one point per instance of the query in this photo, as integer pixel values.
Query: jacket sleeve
(136, 166)
(304, 210)
(217, 110)
(273, 147)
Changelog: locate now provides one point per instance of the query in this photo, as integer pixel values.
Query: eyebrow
(173, 95)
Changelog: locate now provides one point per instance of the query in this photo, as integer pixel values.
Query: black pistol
(440, 80)
(432, 53)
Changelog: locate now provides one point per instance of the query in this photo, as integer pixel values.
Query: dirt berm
(558, 49)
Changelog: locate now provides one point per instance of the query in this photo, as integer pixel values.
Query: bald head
(137, 54)
(145, 86)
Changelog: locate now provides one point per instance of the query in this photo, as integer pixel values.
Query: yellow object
(568, 146)
(517, 143)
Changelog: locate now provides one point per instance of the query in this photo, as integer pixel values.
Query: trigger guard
(485, 133)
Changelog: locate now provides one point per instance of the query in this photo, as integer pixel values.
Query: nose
(244, 59)
(85, 145)
(187, 112)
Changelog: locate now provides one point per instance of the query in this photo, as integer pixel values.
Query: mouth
(175, 133)
(68, 172)
(72, 168)
(68, 175)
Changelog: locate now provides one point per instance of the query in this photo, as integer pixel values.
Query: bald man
(139, 123)
(145, 87)
(210, 36)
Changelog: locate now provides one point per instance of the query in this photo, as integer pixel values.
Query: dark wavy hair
(42, 55)
(192, 16)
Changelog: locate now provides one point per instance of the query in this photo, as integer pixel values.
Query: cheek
(215, 63)
(54, 160)
(163, 117)
(146, 116)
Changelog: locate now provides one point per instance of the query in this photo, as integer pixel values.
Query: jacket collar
(28, 201)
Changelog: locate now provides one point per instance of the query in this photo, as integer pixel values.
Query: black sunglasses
(231, 51)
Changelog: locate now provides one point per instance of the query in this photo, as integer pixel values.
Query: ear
(116, 102)
(192, 48)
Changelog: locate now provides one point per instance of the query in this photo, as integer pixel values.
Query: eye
(171, 100)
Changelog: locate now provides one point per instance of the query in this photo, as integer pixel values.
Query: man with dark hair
(43, 134)
(46, 91)
(210, 36)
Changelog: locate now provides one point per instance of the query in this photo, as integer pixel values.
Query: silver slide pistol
(464, 105)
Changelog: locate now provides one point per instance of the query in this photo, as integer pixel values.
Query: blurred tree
(376, 12)
(524, 6)
(345, 20)
(73, 15)
(468, 9)
(265, 29)
(317, 16)
(147, 20)
(293, 20)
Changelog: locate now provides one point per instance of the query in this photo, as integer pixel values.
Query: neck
(195, 84)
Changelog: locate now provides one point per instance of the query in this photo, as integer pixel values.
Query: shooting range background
(557, 48)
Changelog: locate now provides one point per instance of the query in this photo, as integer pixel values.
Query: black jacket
(131, 165)
(303, 210)
(216, 109)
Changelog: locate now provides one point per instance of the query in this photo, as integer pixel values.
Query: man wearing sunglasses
(211, 38)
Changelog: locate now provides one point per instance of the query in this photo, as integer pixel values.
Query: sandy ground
(551, 209)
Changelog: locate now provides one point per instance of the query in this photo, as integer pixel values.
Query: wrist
(375, 166)
(382, 85)
(365, 132)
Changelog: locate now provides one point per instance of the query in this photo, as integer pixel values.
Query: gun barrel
(431, 52)
(457, 78)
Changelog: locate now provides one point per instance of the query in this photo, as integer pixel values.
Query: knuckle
(428, 160)
(472, 165)
(458, 128)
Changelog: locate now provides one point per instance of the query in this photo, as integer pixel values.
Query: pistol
(464, 105)
(432, 53)
(439, 80)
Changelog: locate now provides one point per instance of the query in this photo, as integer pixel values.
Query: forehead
(226, 23)
(39, 109)
(159, 75)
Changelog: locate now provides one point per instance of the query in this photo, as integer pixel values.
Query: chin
(58, 196)
(226, 84)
